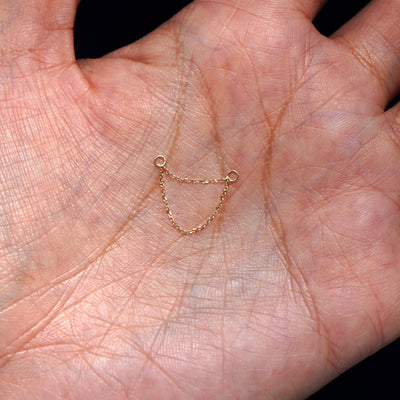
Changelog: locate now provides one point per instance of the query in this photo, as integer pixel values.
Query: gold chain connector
(161, 162)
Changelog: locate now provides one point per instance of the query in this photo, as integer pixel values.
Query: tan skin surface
(297, 279)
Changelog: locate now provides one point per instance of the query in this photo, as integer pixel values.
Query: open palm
(298, 276)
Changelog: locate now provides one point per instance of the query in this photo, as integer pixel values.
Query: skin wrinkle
(67, 277)
(74, 273)
(211, 115)
(300, 282)
(304, 8)
(105, 129)
(366, 63)
(296, 278)
(222, 333)
(277, 224)
(267, 152)
(259, 95)
(120, 232)
(236, 8)
(212, 304)
(113, 320)
(31, 333)
(268, 199)
(346, 265)
(327, 219)
(25, 59)
(199, 78)
(393, 131)
(150, 360)
(176, 123)
(225, 27)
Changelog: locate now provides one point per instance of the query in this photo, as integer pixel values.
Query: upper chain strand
(232, 176)
(190, 180)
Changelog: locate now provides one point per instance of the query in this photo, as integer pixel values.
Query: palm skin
(296, 280)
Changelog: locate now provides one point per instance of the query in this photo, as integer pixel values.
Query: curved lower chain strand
(160, 161)
(204, 225)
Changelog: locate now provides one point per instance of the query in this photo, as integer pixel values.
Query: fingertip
(40, 27)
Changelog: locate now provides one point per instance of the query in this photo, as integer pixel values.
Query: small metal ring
(235, 177)
(160, 161)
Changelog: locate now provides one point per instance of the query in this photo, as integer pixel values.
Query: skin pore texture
(298, 277)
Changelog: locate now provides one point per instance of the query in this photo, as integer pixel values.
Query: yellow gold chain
(232, 176)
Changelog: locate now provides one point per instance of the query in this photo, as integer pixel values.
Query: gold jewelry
(232, 176)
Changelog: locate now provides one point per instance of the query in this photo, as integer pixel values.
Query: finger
(373, 39)
(309, 8)
(223, 19)
(393, 117)
(40, 27)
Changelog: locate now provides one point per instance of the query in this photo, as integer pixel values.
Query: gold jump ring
(160, 161)
(232, 176)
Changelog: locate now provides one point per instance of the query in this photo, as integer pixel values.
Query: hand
(297, 278)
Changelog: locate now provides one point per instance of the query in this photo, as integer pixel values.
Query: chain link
(232, 176)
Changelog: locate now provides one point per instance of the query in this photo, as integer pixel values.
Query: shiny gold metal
(161, 162)
(232, 176)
